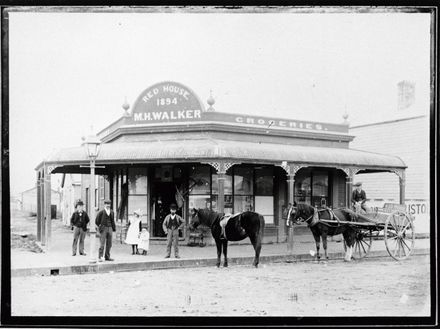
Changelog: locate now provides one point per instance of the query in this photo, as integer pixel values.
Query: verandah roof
(196, 150)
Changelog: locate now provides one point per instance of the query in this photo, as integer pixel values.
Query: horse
(246, 224)
(303, 212)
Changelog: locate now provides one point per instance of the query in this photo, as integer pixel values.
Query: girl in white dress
(133, 231)
(144, 241)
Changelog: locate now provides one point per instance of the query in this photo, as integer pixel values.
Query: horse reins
(332, 214)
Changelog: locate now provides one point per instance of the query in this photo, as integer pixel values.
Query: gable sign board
(173, 102)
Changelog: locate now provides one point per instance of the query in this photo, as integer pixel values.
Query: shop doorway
(163, 195)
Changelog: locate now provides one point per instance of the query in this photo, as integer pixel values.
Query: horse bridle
(299, 219)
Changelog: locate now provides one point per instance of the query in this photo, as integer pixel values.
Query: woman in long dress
(133, 231)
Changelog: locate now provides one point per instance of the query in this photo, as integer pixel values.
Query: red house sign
(167, 101)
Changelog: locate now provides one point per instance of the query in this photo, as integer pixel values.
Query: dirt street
(374, 287)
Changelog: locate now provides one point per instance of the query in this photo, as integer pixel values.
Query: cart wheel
(399, 235)
(362, 243)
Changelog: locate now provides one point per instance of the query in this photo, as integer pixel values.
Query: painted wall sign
(167, 101)
(173, 102)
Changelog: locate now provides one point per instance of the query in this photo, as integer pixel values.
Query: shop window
(243, 181)
(137, 191)
(243, 203)
(228, 205)
(227, 184)
(264, 206)
(200, 178)
(200, 201)
(264, 203)
(320, 189)
(137, 181)
(264, 181)
(312, 187)
(138, 202)
(303, 188)
(243, 189)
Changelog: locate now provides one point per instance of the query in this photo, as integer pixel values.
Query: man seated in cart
(359, 198)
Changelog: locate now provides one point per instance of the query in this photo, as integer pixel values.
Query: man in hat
(78, 223)
(105, 221)
(171, 226)
(358, 198)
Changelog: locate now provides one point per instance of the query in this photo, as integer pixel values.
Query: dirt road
(374, 287)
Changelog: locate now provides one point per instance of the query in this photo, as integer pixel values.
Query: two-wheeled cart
(392, 223)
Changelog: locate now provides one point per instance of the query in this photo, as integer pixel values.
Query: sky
(69, 73)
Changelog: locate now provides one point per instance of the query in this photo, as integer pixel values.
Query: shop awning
(202, 150)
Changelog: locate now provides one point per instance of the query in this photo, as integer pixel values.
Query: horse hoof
(256, 265)
(225, 265)
(218, 265)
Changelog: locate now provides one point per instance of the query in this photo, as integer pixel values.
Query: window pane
(264, 181)
(138, 202)
(243, 203)
(320, 189)
(268, 219)
(228, 184)
(303, 189)
(243, 181)
(264, 205)
(228, 203)
(200, 201)
(199, 180)
(137, 181)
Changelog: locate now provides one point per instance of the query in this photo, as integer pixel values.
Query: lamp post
(91, 146)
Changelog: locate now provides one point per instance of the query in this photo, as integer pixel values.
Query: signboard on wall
(168, 101)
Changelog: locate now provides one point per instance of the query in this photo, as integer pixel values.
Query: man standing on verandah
(171, 226)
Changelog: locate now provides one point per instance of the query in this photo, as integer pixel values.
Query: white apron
(133, 231)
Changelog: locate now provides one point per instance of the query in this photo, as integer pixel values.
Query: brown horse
(246, 224)
(303, 212)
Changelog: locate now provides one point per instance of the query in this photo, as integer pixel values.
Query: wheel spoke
(403, 248)
(404, 243)
(396, 249)
(406, 227)
(364, 242)
(393, 223)
(363, 248)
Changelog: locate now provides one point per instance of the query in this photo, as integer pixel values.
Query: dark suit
(106, 226)
(78, 222)
(172, 227)
(359, 196)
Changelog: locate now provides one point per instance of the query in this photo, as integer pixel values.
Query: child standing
(133, 231)
(144, 241)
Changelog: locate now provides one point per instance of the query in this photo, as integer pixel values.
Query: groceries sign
(174, 102)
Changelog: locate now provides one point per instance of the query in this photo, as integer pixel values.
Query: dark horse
(246, 224)
(303, 212)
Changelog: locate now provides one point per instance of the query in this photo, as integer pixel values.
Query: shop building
(169, 149)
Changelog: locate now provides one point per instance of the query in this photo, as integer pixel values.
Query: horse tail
(262, 224)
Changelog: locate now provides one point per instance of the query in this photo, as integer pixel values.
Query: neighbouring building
(71, 193)
(169, 149)
(28, 201)
(407, 138)
(403, 133)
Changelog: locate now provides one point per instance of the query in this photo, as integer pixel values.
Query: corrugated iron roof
(197, 150)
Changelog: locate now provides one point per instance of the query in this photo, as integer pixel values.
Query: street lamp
(92, 145)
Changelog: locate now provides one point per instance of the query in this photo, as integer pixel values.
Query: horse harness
(315, 217)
